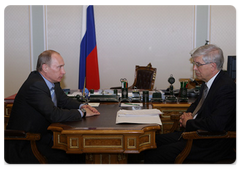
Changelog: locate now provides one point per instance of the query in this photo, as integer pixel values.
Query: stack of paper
(144, 116)
(131, 104)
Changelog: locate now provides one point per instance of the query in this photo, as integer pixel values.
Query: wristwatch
(84, 112)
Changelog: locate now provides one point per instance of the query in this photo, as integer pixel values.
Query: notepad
(144, 116)
(140, 113)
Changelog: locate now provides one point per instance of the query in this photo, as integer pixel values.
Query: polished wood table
(101, 139)
(170, 109)
(6, 110)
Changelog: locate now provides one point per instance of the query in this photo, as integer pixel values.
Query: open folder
(144, 116)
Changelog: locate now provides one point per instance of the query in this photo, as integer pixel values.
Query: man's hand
(90, 111)
(184, 118)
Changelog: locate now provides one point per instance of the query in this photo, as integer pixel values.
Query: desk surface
(100, 135)
(105, 121)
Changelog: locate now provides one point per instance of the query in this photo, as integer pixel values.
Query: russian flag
(88, 66)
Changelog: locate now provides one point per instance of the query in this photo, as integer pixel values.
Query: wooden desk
(101, 139)
(8, 104)
(6, 110)
(168, 109)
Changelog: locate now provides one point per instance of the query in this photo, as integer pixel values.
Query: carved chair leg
(182, 156)
(37, 154)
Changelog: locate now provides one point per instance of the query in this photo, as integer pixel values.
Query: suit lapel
(211, 91)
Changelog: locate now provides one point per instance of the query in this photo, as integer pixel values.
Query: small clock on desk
(171, 97)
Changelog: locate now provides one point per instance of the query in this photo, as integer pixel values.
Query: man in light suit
(216, 113)
(40, 102)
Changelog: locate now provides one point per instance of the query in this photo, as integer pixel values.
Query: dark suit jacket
(218, 113)
(33, 109)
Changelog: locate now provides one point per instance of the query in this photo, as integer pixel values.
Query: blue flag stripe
(87, 45)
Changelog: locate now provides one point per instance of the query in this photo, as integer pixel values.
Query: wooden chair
(22, 135)
(144, 78)
(194, 135)
(190, 136)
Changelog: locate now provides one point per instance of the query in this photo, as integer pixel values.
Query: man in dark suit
(40, 102)
(214, 110)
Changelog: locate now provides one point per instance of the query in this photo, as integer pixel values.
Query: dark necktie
(205, 91)
(53, 96)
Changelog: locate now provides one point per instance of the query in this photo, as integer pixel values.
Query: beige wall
(17, 59)
(126, 36)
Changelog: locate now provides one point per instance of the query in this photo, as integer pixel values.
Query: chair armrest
(22, 135)
(14, 133)
(207, 133)
(200, 134)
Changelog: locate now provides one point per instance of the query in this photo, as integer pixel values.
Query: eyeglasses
(199, 64)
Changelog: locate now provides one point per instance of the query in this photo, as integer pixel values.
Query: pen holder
(124, 85)
(115, 91)
(145, 96)
(183, 92)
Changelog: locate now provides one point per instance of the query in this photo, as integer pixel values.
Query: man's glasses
(199, 64)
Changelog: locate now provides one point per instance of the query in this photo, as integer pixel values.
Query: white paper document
(94, 104)
(144, 116)
(131, 104)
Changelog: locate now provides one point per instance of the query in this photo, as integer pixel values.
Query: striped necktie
(205, 91)
(53, 96)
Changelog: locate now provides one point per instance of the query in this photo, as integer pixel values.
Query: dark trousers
(205, 150)
(168, 147)
(19, 152)
(56, 156)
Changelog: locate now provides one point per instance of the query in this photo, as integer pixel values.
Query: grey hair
(211, 54)
(44, 58)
